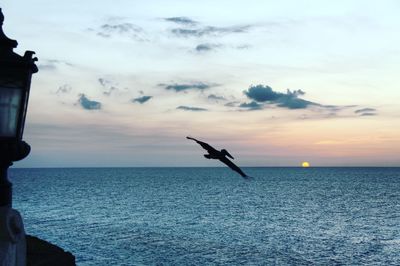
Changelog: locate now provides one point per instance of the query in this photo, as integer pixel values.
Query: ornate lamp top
(8, 56)
(4, 40)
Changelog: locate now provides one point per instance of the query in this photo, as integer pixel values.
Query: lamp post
(15, 80)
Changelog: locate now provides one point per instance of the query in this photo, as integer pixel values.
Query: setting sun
(305, 164)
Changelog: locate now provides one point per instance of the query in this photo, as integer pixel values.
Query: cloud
(243, 46)
(108, 86)
(209, 30)
(126, 29)
(188, 86)
(88, 104)
(193, 109)
(364, 110)
(191, 28)
(53, 64)
(368, 114)
(232, 104)
(104, 82)
(265, 94)
(252, 105)
(203, 47)
(182, 20)
(64, 89)
(206, 47)
(216, 97)
(141, 99)
(45, 67)
(108, 93)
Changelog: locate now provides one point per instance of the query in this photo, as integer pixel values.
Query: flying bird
(220, 155)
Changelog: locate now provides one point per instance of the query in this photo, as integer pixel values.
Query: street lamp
(15, 81)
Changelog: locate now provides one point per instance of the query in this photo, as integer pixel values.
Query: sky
(121, 83)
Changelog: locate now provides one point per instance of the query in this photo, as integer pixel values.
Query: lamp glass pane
(10, 99)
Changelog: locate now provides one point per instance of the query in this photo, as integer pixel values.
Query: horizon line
(105, 167)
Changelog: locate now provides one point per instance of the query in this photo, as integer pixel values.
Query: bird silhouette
(219, 155)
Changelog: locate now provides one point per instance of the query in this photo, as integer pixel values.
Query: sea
(212, 216)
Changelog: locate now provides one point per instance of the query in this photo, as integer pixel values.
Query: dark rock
(42, 253)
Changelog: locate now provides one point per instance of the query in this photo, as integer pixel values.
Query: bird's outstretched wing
(233, 166)
(205, 146)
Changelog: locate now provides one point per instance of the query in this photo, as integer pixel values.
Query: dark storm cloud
(141, 99)
(189, 108)
(216, 97)
(209, 30)
(88, 104)
(365, 110)
(182, 20)
(251, 105)
(290, 100)
(188, 86)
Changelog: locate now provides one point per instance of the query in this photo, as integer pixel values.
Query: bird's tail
(248, 177)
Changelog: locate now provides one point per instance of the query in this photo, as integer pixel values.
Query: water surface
(200, 216)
